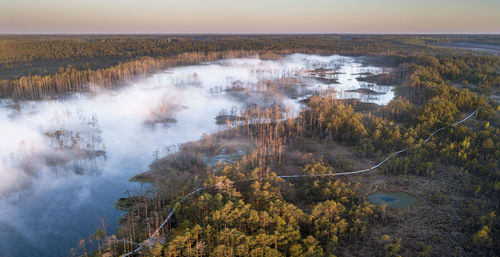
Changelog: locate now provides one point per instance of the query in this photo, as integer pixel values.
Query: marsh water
(394, 200)
(64, 162)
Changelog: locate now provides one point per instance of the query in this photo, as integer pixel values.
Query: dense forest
(246, 207)
(36, 67)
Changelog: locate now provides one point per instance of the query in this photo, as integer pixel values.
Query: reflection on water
(388, 199)
(395, 200)
(45, 210)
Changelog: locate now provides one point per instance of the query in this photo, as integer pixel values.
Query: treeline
(36, 67)
(69, 79)
(42, 55)
(46, 65)
(30, 49)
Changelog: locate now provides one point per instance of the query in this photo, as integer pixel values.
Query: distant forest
(36, 67)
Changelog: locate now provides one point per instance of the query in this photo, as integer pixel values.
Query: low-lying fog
(64, 163)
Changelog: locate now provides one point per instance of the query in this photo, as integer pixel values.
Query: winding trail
(155, 237)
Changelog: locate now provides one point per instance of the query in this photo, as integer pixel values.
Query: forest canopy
(34, 67)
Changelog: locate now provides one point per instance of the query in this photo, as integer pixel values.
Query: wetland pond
(393, 200)
(64, 162)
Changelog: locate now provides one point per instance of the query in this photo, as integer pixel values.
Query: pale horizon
(256, 17)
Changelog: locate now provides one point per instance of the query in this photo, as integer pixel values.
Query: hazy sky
(256, 16)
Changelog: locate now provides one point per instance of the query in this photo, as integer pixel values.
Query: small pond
(225, 157)
(393, 200)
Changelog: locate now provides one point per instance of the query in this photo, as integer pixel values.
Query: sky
(242, 16)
